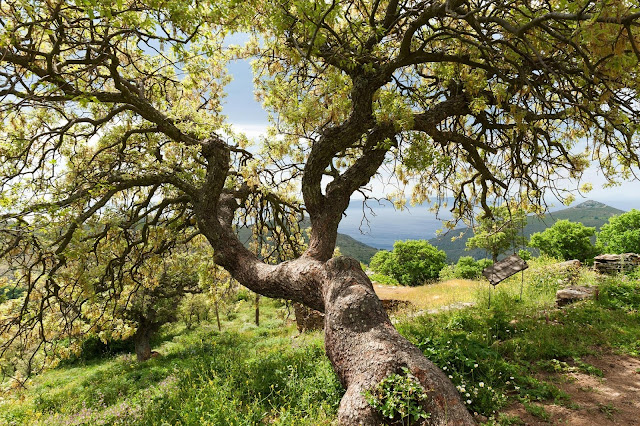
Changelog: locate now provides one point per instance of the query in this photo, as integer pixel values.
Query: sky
(246, 115)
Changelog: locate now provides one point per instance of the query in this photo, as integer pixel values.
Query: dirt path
(613, 399)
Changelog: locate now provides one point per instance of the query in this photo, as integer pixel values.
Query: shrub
(566, 240)
(410, 262)
(383, 279)
(382, 262)
(467, 268)
(621, 234)
(398, 397)
(447, 273)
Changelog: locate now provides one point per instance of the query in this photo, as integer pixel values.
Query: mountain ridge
(590, 213)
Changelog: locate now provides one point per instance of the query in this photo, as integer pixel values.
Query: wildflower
(468, 401)
(481, 384)
(475, 365)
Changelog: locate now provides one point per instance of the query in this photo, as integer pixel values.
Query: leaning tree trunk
(361, 343)
(364, 348)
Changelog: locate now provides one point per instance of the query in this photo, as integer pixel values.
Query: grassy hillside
(589, 213)
(247, 375)
(351, 247)
(243, 375)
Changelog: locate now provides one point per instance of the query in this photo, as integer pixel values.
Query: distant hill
(348, 246)
(353, 248)
(589, 213)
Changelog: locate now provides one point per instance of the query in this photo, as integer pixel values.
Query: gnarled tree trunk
(364, 348)
(360, 340)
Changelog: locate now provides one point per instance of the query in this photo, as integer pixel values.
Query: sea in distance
(379, 224)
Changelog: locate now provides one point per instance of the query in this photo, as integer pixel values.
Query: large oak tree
(113, 143)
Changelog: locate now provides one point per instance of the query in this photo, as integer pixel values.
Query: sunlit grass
(450, 292)
(432, 296)
(266, 374)
(244, 375)
(445, 293)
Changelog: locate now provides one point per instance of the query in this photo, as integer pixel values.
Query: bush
(621, 234)
(566, 240)
(467, 268)
(410, 262)
(381, 262)
(383, 279)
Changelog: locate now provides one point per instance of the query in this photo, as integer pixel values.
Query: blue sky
(247, 115)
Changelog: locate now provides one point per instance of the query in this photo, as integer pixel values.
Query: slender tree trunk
(364, 347)
(257, 304)
(215, 308)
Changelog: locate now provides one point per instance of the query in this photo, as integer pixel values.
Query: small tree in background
(566, 240)
(498, 233)
(153, 306)
(411, 262)
(621, 234)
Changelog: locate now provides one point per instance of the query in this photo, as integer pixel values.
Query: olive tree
(117, 104)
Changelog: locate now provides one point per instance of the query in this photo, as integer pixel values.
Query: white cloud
(253, 131)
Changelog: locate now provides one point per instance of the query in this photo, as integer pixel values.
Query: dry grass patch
(437, 295)
(433, 296)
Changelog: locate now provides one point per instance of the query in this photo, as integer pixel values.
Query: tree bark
(360, 340)
(142, 341)
(364, 348)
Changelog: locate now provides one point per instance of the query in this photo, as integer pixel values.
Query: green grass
(249, 375)
(493, 355)
(242, 376)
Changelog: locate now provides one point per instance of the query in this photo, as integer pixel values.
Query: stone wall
(615, 263)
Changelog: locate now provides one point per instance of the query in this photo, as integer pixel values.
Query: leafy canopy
(499, 232)
(566, 240)
(114, 151)
(411, 262)
(621, 234)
